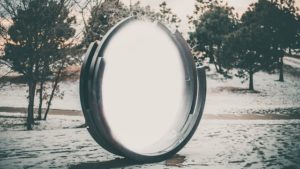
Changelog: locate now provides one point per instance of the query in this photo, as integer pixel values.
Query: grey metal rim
(91, 97)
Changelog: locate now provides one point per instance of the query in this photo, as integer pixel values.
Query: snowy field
(224, 96)
(240, 129)
(217, 144)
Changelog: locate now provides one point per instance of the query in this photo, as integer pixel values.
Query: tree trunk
(216, 66)
(281, 79)
(40, 101)
(220, 67)
(218, 59)
(211, 58)
(53, 91)
(251, 86)
(30, 110)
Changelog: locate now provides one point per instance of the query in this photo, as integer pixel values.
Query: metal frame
(91, 96)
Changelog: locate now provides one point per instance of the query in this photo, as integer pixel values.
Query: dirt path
(276, 114)
(52, 111)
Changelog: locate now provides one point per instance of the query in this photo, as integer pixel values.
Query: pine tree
(210, 30)
(38, 37)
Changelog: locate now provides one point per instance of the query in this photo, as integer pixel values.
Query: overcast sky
(186, 7)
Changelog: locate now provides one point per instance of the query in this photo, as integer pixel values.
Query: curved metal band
(91, 98)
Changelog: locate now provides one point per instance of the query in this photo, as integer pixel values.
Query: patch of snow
(15, 95)
(16, 122)
(292, 62)
(223, 96)
(216, 144)
(230, 96)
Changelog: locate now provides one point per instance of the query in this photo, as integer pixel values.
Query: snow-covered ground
(216, 144)
(16, 122)
(59, 142)
(14, 95)
(230, 96)
(292, 61)
(224, 96)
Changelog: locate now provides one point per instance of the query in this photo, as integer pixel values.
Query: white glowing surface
(143, 87)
